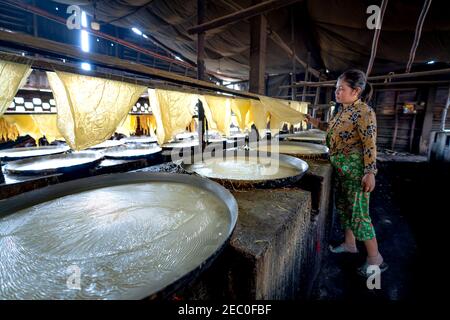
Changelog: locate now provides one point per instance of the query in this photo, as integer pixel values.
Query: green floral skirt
(352, 203)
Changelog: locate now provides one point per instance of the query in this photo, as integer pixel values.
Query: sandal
(342, 248)
(363, 270)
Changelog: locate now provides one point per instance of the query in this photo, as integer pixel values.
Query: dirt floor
(406, 209)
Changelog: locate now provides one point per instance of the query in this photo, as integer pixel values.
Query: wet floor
(406, 209)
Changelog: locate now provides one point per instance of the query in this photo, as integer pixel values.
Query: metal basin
(23, 153)
(139, 139)
(129, 235)
(59, 163)
(303, 150)
(108, 144)
(247, 170)
(131, 152)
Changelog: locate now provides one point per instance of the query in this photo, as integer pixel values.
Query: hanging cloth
(89, 108)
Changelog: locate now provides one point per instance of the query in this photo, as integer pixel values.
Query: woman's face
(345, 94)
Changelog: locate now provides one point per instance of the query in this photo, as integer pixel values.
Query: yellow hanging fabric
(173, 112)
(280, 111)
(127, 126)
(148, 124)
(241, 108)
(258, 116)
(300, 107)
(193, 125)
(25, 125)
(8, 132)
(89, 108)
(47, 125)
(12, 77)
(218, 113)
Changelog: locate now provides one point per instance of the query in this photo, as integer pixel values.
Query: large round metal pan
(180, 145)
(133, 152)
(108, 144)
(139, 139)
(303, 150)
(186, 136)
(23, 153)
(306, 136)
(59, 163)
(240, 159)
(117, 271)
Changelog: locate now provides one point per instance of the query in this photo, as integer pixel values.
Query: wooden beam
(29, 43)
(277, 40)
(331, 83)
(258, 43)
(246, 13)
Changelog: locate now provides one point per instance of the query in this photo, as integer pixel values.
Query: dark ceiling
(334, 31)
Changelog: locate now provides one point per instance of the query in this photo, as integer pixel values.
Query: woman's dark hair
(357, 79)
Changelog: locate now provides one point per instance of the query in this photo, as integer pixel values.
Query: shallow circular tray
(139, 139)
(108, 144)
(180, 144)
(238, 169)
(303, 150)
(133, 152)
(123, 236)
(58, 163)
(23, 153)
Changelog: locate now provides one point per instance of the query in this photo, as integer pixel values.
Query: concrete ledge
(264, 257)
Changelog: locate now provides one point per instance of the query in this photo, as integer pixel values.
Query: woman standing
(351, 138)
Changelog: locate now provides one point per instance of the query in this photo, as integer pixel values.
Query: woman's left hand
(368, 182)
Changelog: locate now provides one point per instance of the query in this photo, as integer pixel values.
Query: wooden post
(293, 78)
(394, 138)
(444, 112)
(329, 94)
(306, 75)
(316, 101)
(411, 134)
(258, 41)
(201, 9)
(427, 121)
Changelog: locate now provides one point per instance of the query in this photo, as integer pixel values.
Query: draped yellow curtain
(128, 125)
(12, 77)
(241, 108)
(89, 108)
(218, 113)
(281, 111)
(47, 125)
(258, 116)
(8, 131)
(193, 125)
(173, 112)
(25, 124)
(148, 124)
